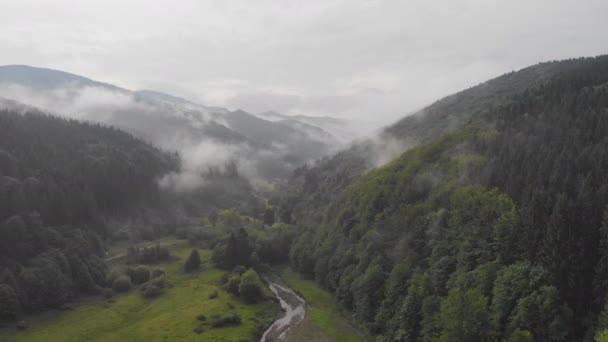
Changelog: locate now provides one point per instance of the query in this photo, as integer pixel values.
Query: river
(293, 309)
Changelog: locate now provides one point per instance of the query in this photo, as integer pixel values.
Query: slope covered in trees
(491, 228)
(59, 180)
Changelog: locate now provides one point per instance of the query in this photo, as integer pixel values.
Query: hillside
(490, 226)
(60, 180)
(263, 150)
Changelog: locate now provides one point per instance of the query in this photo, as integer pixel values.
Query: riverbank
(170, 317)
(293, 310)
(324, 320)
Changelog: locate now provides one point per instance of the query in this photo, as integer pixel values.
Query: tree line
(493, 230)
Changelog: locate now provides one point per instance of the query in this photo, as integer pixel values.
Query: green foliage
(107, 293)
(9, 304)
(232, 284)
(194, 261)
(520, 336)
(154, 287)
(464, 317)
(251, 287)
(410, 313)
(139, 275)
(368, 291)
(502, 197)
(170, 316)
(147, 255)
(513, 283)
(225, 321)
(269, 216)
(157, 273)
(542, 312)
(152, 291)
(122, 284)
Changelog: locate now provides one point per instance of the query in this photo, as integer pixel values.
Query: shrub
(239, 269)
(107, 293)
(199, 329)
(194, 261)
(110, 277)
(9, 305)
(201, 318)
(224, 279)
(226, 321)
(153, 288)
(232, 286)
(122, 284)
(160, 282)
(152, 291)
(158, 272)
(213, 295)
(140, 275)
(251, 288)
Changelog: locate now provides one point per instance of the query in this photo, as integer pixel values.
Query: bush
(153, 288)
(201, 318)
(122, 284)
(140, 275)
(160, 282)
(9, 305)
(239, 269)
(152, 291)
(158, 272)
(226, 321)
(194, 261)
(251, 288)
(110, 277)
(213, 295)
(232, 285)
(107, 293)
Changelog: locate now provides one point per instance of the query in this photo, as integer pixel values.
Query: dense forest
(59, 181)
(493, 227)
(68, 188)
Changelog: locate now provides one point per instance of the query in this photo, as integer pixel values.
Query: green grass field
(170, 317)
(323, 320)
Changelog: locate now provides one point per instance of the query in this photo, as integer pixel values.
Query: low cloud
(170, 127)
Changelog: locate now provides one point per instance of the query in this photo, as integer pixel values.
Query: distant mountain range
(266, 147)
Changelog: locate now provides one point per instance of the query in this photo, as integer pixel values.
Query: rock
(21, 325)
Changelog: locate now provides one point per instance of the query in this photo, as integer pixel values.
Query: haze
(372, 61)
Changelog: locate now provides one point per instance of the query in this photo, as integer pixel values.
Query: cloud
(387, 57)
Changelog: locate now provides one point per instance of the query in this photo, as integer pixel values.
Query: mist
(181, 129)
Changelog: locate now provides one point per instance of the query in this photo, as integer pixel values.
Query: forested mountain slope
(492, 227)
(264, 150)
(59, 180)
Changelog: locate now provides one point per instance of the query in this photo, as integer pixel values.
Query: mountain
(489, 224)
(43, 78)
(262, 150)
(343, 131)
(61, 181)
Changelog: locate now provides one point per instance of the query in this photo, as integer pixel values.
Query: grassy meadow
(170, 317)
(323, 321)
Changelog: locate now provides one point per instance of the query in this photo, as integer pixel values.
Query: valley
(481, 217)
(171, 316)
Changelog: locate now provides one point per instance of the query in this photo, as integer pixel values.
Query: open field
(170, 317)
(323, 321)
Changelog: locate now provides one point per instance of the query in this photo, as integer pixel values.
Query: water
(294, 308)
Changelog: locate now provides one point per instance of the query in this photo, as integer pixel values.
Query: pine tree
(194, 261)
(600, 283)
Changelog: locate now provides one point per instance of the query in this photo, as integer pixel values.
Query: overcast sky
(371, 60)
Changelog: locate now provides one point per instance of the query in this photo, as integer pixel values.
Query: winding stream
(292, 305)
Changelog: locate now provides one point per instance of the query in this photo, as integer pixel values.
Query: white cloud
(385, 58)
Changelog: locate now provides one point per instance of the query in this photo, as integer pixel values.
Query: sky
(367, 60)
